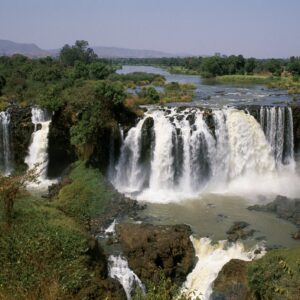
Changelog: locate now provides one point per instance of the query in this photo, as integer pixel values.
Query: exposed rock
(283, 207)
(101, 286)
(296, 123)
(60, 151)
(118, 207)
(151, 248)
(238, 231)
(232, 282)
(191, 118)
(21, 131)
(296, 235)
(147, 144)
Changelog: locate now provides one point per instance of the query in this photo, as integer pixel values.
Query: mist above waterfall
(174, 154)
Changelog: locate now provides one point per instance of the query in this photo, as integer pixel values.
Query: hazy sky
(260, 28)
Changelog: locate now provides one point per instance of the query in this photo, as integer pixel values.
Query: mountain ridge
(9, 48)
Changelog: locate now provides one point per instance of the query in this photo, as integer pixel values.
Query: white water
(277, 124)
(190, 159)
(38, 149)
(211, 259)
(118, 268)
(5, 143)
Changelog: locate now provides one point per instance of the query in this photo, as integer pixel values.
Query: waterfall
(6, 162)
(211, 259)
(179, 153)
(129, 174)
(38, 149)
(118, 268)
(277, 123)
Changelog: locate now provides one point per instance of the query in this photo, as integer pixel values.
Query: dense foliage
(276, 276)
(217, 65)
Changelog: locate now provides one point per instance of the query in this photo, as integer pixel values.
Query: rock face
(21, 131)
(288, 209)
(151, 248)
(232, 282)
(61, 152)
(296, 123)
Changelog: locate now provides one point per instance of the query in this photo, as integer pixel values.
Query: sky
(258, 28)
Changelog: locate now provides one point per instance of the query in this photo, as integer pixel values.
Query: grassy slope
(276, 275)
(44, 253)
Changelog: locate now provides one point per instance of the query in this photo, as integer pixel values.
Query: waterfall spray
(194, 151)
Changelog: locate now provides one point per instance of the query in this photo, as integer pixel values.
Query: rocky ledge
(283, 207)
(150, 249)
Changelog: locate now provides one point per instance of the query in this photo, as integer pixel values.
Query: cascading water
(277, 123)
(173, 153)
(118, 268)
(6, 163)
(211, 259)
(37, 153)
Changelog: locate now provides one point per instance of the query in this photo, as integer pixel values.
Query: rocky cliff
(21, 131)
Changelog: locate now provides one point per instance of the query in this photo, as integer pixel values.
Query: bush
(149, 94)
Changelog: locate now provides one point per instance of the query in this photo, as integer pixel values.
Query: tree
(274, 66)
(212, 66)
(150, 94)
(79, 52)
(99, 70)
(294, 66)
(10, 188)
(250, 65)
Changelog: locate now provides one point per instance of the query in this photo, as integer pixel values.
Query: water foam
(189, 157)
(38, 150)
(211, 259)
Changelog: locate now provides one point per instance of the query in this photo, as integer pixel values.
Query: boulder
(151, 248)
(232, 282)
(238, 231)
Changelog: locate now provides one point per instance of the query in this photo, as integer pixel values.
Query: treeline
(219, 65)
(76, 82)
(24, 79)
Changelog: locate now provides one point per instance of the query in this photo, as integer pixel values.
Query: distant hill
(116, 52)
(32, 50)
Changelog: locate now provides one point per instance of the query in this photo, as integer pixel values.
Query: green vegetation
(86, 197)
(44, 253)
(138, 79)
(173, 92)
(276, 275)
(162, 289)
(10, 188)
(256, 79)
(291, 84)
(182, 70)
(277, 73)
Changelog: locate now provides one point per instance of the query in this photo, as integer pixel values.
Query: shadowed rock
(151, 248)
